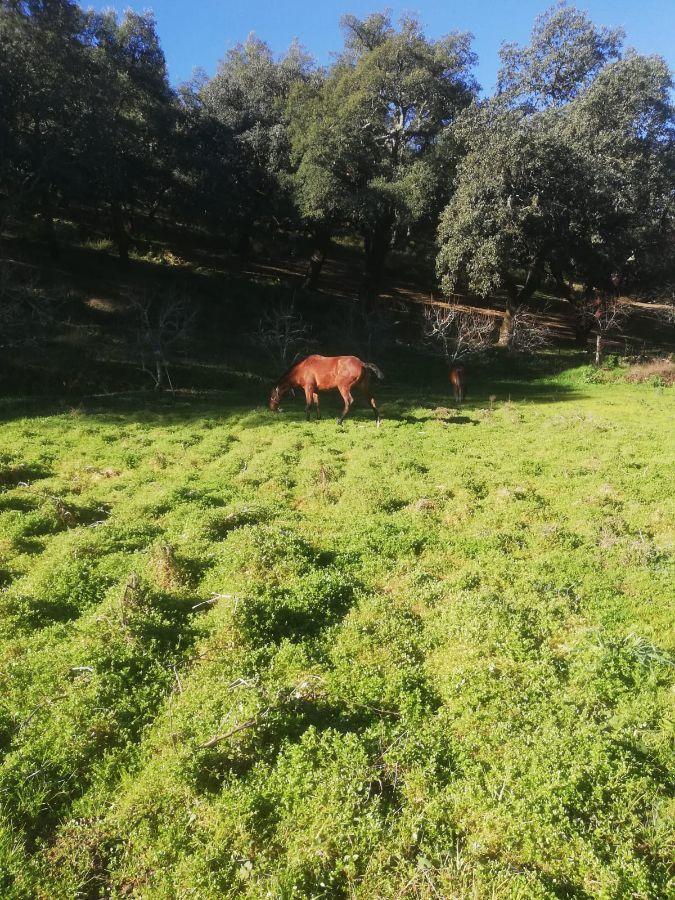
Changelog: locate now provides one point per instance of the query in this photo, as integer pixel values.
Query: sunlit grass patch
(244, 656)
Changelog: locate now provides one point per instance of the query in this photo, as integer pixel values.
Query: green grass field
(246, 656)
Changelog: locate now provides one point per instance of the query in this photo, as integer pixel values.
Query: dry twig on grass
(218, 738)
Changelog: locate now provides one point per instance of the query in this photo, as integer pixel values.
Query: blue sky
(199, 32)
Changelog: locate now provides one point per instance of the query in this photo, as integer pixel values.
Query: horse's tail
(374, 369)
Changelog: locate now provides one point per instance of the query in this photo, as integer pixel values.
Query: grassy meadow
(242, 655)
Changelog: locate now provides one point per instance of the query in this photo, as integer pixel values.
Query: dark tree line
(87, 118)
(564, 176)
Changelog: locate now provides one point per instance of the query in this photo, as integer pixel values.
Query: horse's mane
(281, 380)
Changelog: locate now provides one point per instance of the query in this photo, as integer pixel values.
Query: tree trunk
(598, 348)
(506, 327)
(516, 297)
(582, 326)
(317, 259)
(120, 233)
(244, 246)
(50, 234)
(159, 369)
(83, 230)
(376, 246)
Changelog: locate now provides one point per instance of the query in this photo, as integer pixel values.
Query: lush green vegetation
(246, 656)
(564, 175)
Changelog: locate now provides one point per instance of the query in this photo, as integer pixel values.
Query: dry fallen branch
(241, 682)
(215, 598)
(179, 684)
(219, 738)
(40, 706)
(282, 698)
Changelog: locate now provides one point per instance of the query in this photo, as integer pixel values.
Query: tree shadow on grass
(18, 504)
(411, 382)
(13, 476)
(265, 740)
(433, 417)
(460, 420)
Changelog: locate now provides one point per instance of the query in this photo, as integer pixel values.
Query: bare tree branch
(455, 333)
(606, 313)
(529, 330)
(26, 311)
(160, 326)
(282, 333)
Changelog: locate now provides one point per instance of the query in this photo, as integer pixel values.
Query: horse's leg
(309, 396)
(377, 412)
(365, 390)
(348, 400)
(316, 403)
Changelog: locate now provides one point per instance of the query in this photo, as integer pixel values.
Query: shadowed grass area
(242, 655)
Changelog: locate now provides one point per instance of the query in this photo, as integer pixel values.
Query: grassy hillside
(246, 656)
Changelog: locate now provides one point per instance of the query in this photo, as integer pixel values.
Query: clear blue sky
(199, 32)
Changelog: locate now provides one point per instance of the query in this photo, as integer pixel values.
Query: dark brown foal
(458, 382)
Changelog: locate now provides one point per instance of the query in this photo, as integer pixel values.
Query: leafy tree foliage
(515, 194)
(246, 100)
(365, 138)
(567, 172)
(622, 129)
(45, 77)
(86, 111)
(130, 161)
(566, 52)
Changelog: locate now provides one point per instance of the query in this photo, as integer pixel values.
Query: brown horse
(321, 373)
(458, 382)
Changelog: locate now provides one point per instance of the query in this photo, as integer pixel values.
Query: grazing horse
(458, 382)
(321, 373)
